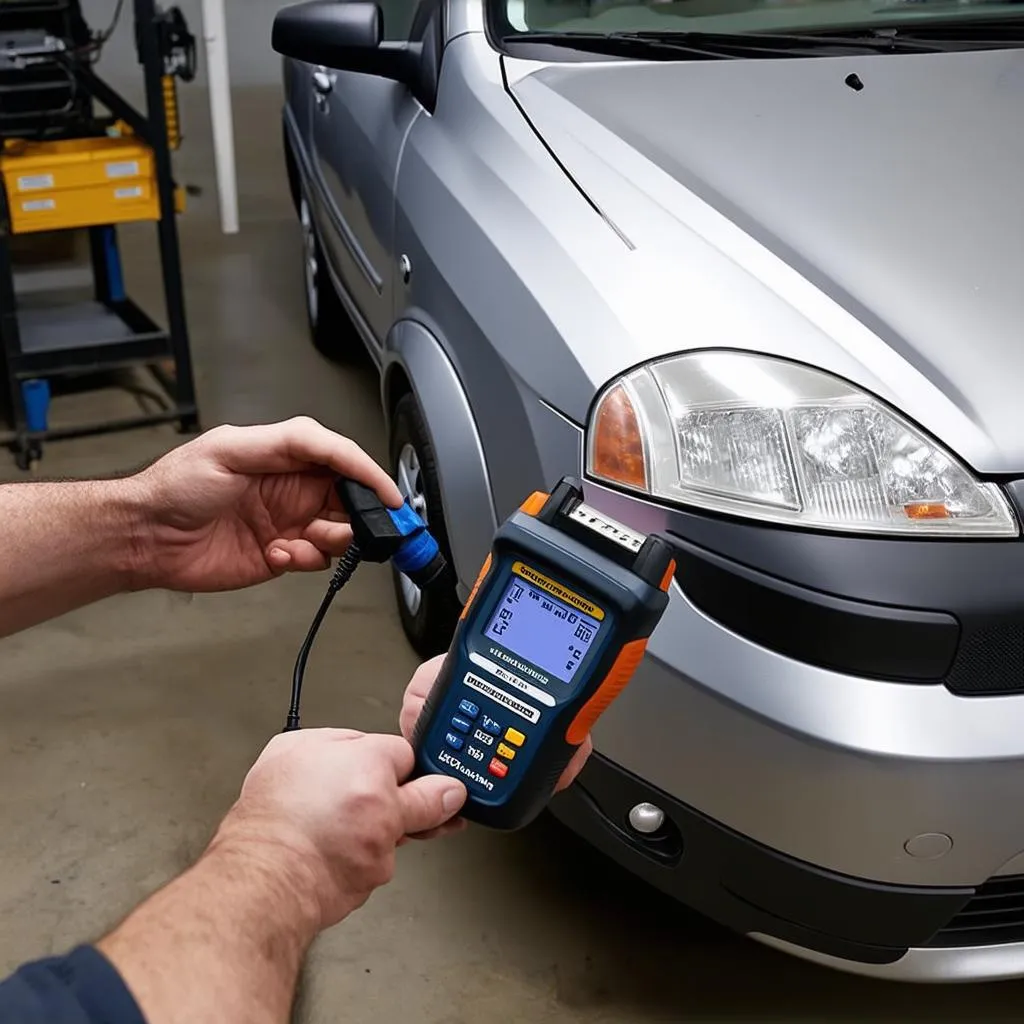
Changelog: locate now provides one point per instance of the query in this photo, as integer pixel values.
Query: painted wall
(249, 22)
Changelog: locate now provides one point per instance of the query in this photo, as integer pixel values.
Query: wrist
(109, 518)
(125, 503)
(288, 877)
(231, 933)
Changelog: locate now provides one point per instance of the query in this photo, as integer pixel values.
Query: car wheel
(330, 328)
(429, 617)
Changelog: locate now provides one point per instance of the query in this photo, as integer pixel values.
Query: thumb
(428, 802)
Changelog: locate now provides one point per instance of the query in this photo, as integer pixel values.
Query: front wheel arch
(395, 384)
(428, 617)
(416, 363)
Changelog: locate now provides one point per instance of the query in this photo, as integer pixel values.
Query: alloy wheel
(310, 262)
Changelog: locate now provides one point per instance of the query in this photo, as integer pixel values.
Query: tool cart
(65, 166)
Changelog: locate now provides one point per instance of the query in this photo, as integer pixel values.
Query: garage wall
(249, 22)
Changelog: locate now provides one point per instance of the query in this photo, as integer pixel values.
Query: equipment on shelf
(39, 96)
(64, 166)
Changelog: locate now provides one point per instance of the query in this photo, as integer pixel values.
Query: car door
(359, 122)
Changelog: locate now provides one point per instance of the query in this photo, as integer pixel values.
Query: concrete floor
(127, 727)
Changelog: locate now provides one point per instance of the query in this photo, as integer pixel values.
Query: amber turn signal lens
(926, 510)
(618, 447)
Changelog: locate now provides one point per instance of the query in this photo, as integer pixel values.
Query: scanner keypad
(480, 738)
(486, 731)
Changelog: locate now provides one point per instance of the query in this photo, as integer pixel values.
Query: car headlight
(764, 438)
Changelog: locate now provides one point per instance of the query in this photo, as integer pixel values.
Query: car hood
(875, 231)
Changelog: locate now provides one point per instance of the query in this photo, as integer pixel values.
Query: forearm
(223, 943)
(65, 545)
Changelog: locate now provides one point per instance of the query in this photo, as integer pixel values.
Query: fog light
(646, 818)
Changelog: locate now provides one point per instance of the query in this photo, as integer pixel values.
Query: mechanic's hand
(412, 704)
(330, 805)
(240, 505)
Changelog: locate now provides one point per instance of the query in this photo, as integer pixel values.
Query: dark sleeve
(80, 988)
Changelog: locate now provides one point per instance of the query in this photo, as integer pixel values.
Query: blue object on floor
(37, 403)
(115, 279)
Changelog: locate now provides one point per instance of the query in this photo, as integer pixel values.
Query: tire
(291, 170)
(330, 329)
(428, 617)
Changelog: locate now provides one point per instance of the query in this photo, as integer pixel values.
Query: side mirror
(341, 34)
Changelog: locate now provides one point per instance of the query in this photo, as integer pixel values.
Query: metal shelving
(50, 335)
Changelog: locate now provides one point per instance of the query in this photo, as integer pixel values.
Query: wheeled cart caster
(188, 425)
(26, 453)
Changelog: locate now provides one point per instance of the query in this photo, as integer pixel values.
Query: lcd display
(543, 630)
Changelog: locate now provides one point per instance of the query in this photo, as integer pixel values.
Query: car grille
(993, 915)
(989, 661)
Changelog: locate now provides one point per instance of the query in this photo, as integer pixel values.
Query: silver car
(755, 271)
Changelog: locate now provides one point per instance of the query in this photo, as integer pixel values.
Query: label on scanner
(506, 700)
(570, 597)
(446, 757)
(512, 679)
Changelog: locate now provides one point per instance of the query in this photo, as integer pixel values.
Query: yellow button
(515, 737)
(506, 752)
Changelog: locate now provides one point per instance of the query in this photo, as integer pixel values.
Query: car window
(398, 18)
(738, 16)
(428, 16)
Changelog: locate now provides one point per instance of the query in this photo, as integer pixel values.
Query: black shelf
(59, 335)
(120, 334)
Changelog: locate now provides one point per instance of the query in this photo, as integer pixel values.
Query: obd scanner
(554, 628)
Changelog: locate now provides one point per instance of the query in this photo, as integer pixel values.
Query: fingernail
(452, 799)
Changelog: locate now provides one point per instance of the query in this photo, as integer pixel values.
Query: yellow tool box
(78, 183)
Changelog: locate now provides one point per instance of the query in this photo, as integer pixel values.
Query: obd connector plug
(379, 534)
(396, 534)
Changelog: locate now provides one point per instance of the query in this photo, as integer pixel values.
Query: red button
(498, 768)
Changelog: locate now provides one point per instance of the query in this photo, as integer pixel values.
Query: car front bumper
(899, 933)
(850, 708)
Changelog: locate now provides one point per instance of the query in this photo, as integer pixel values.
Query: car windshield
(606, 17)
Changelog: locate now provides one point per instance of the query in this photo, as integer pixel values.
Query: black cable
(91, 51)
(346, 567)
(104, 37)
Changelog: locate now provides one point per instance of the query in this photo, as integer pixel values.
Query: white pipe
(215, 36)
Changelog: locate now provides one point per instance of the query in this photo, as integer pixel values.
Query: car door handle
(322, 82)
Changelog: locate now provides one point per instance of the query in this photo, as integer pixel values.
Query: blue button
(461, 724)
(491, 726)
(468, 708)
(453, 741)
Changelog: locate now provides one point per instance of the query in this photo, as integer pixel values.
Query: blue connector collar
(420, 548)
(395, 534)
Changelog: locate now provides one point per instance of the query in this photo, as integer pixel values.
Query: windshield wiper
(874, 41)
(618, 44)
(736, 45)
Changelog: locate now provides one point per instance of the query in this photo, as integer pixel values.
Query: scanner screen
(541, 629)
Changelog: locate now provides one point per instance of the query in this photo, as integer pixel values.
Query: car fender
(298, 97)
(414, 360)
(296, 152)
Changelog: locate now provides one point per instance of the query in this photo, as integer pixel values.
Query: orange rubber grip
(476, 586)
(534, 503)
(614, 683)
(666, 580)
